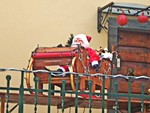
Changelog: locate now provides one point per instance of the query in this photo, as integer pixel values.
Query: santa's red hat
(82, 39)
(88, 38)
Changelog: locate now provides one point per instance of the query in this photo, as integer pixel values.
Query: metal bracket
(116, 8)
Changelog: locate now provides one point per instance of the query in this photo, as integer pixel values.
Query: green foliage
(69, 42)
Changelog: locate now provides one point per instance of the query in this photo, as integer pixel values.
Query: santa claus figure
(84, 41)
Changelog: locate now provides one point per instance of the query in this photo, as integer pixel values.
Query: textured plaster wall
(25, 24)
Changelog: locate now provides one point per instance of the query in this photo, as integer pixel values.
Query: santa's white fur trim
(62, 69)
(107, 55)
(105, 49)
(94, 62)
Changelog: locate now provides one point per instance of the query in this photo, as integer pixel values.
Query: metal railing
(115, 95)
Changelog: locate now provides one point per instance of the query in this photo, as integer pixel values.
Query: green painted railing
(112, 95)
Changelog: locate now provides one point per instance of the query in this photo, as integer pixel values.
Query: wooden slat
(2, 107)
(52, 61)
(54, 49)
(136, 85)
(133, 38)
(133, 54)
(140, 69)
(70, 101)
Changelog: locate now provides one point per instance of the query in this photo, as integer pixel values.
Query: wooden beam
(2, 107)
(70, 101)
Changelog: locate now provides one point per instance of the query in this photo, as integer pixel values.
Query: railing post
(76, 94)
(103, 93)
(63, 94)
(129, 95)
(21, 93)
(8, 78)
(116, 102)
(90, 93)
(49, 93)
(36, 80)
(142, 98)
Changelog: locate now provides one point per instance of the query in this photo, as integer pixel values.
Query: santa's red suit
(84, 41)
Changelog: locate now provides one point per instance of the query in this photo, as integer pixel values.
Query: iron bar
(129, 95)
(21, 92)
(36, 80)
(63, 95)
(142, 98)
(76, 93)
(49, 93)
(8, 78)
(116, 103)
(103, 94)
(90, 95)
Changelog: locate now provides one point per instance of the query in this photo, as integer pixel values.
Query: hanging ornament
(122, 19)
(142, 18)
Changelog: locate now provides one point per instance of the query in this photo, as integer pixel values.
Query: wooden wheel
(72, 76)
(78, 65)
(29, 68)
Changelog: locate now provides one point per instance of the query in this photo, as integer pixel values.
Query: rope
(54, 73)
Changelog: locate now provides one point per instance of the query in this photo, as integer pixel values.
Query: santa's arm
(93, 56)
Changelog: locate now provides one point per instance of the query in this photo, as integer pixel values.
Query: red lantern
(142, 18)
(122, 19)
